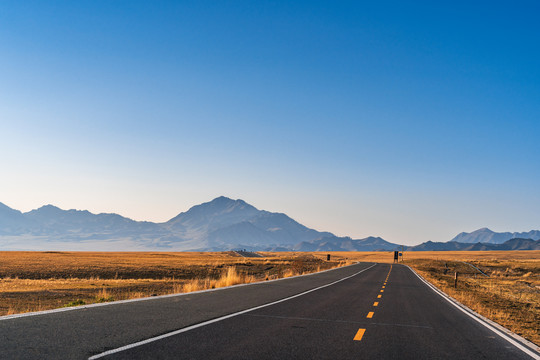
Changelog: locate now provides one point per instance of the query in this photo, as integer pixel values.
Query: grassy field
(31, 281)
(508, 293)
(34, 281)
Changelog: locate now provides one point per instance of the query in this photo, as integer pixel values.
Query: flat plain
(35, 281)
(501, 285)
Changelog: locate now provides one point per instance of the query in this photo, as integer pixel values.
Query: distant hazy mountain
(224, 223)
(334, 243)
(11, 221)
(512, 244)
(438, 246)
(485, 235)
(220, 224)
(49, 220)
(218, 213)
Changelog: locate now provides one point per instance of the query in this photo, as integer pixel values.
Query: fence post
(455, 280)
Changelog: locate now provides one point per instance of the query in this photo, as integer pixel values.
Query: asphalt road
(350, 316)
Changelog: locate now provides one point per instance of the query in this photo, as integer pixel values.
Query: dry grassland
(508, 295)
(388, 256)
(34, 281)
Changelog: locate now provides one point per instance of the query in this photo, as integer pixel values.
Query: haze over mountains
(221, 224)
(485, 235)
(512, 244)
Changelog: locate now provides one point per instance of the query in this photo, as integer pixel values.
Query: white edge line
(482, 320)
(81, 307)
(176, 332)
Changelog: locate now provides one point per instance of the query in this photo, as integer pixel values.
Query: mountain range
(335, 243)
(485, 235)
(221, 224)
(512, 244)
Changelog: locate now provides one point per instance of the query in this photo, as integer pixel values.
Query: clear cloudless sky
(409, 120)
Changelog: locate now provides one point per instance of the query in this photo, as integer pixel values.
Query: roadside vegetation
(508, 293)
(35, 281)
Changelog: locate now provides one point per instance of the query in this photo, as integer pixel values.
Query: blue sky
(412, 122)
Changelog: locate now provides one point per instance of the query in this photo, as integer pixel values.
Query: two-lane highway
(366, 311)
(385, 312)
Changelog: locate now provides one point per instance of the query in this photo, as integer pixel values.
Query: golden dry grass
(388, 256)
(32, 281)
(510, 295)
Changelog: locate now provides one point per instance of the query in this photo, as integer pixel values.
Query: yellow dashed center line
(359, 334)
